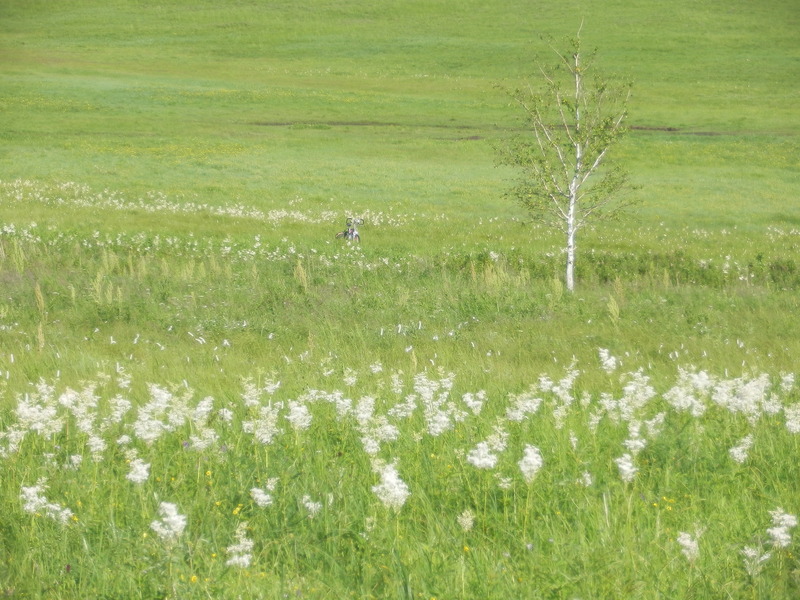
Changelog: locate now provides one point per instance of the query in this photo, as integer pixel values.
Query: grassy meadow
(203, 394)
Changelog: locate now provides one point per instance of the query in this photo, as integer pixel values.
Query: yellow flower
(194, 579)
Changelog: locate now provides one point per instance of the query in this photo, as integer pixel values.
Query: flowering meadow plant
(337, 470)
(263, 414)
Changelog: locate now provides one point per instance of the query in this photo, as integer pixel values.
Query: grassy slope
(178, 97)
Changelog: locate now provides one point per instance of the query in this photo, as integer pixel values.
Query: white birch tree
(573, 118)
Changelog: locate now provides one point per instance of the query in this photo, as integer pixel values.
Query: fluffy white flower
(689, 546)
(739, 453)
(139, 472)
(627, 470)
(608, 362)
(391, 490)
(792, 414)
(530, 463)
(171, 525)
(240, 551)
(474, 401)
(312, 507)
(34, 501)
(265, 427)
(299, 415)
(466, 520)
(481, 457)
(754, 560)
(783, 522)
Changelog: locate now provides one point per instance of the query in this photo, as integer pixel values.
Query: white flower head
(689, 546)
(783, 522)
(792, 414)
(754, 559)
(240, 551)
(607, 361)
(312, 507)
(627, 470)
(34, 501)
(481, 457)
(391, 490)
(739, 453)
(530, 463)
(139, 472)
(171, 525)
(466, 520)
(299, 415)
(261, 497)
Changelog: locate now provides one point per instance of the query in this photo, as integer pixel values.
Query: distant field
(204, 394)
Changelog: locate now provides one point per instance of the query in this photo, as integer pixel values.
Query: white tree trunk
(570, 278)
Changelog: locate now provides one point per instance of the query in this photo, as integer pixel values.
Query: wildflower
(689, 546)
(688, 394)
(171, 525)
(586, 479)
(312, 507)
(474, 401)
(481, 458)
(739, 453)
(365, 409)
(783, 522)
(240, 551)
(504, 483)
(139, 472)
(627, 470)
(523, 404)
(608, 362)
(299, 416)
(498, 440)
(261, 497)
(466, 520)
(741, 395)
(754, 560)
(38, 413)
(656, 424)
(35, 502)
(397, 382)
(265, 427)
(530, 463)
(792, 414)
(392, 490)
(634, 444)
(350, 377)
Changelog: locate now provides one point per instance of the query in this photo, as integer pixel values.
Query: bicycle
(351, 231)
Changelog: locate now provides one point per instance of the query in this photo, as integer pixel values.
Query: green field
(203, 394)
